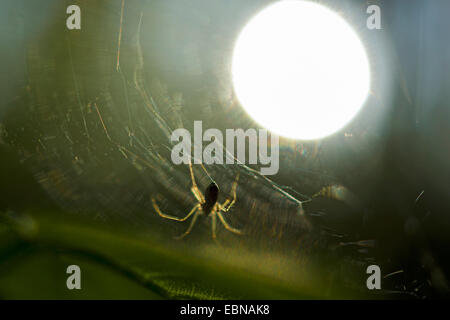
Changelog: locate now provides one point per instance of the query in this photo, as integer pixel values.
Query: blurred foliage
(36, 249)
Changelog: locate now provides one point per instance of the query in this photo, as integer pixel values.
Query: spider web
(94, 123)
(97, 131)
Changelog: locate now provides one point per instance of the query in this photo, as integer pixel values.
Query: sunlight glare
(300, 70)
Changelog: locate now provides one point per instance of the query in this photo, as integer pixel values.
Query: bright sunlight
(300, 70)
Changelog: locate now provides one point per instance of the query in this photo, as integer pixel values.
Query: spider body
(207, 205)
(211, 196)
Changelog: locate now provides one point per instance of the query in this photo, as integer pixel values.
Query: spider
(207, 205)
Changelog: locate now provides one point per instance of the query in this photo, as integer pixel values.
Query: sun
(300, 70)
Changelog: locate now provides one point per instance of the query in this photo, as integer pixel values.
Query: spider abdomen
(211, 196)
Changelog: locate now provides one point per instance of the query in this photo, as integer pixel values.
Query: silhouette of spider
(207, 205)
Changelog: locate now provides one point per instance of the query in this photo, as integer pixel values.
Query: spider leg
(195, 208)
(194, 219)
(231, 198)
(195, 190)
(213, 224)
(227, 226)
